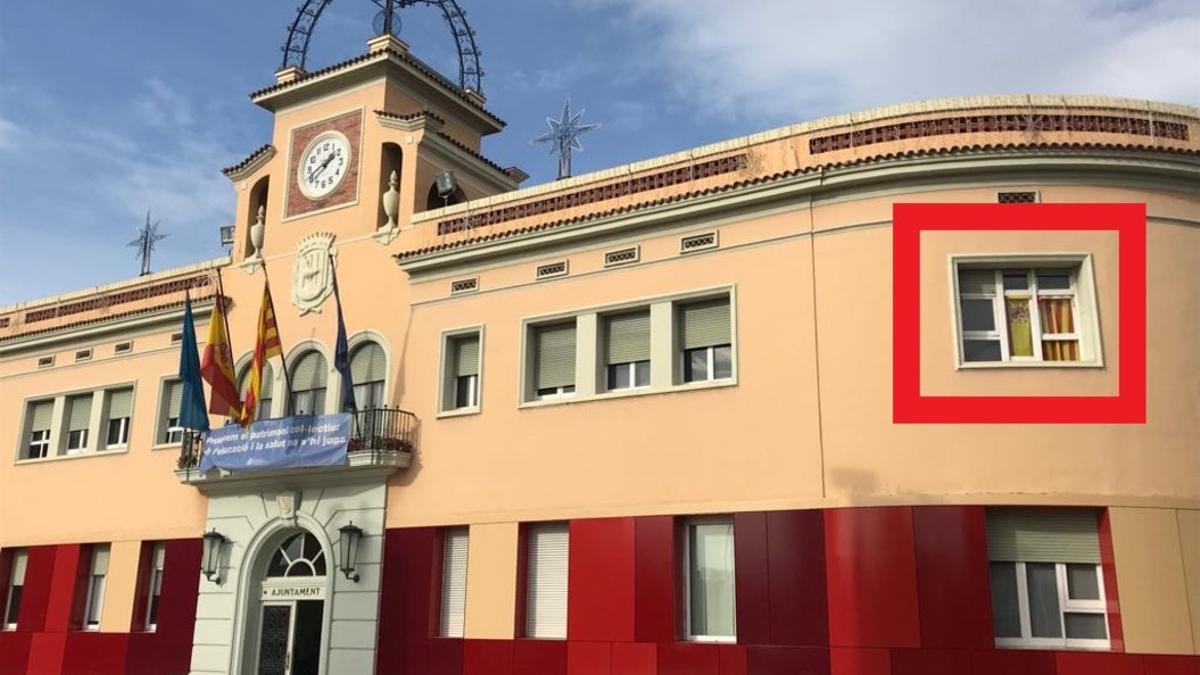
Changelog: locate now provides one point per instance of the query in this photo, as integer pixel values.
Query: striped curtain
(1057, 318)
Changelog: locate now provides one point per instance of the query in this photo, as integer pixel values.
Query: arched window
(368, 369)
(300, 555)
(308, 380)
(263, 408)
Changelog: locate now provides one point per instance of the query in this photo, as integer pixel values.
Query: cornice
(119, 324)
(252, 163)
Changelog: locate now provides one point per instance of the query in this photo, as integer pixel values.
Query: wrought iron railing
(191, 446)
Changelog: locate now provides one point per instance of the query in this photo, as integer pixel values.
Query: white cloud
(10, 134)
(789, 60)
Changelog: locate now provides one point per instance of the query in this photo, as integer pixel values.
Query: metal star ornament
(148, 236)
(563, 137)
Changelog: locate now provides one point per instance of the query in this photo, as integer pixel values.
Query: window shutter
(466, 357)
(20, 559)
(268, 381)
(556, 355)
(100, 560)
(368, 364)
(41, 415)
(454, 582)
(310, 372)
(1043, 535)
(79, 413)
(174, 398)
(119, 403)
(546, 595)
(704, 324)
(627, 337)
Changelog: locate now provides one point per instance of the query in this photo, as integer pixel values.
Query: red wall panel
(752, 578)
(93, 653)
(1098, 663)
(168, 650)
(688, 658)
(35, 599)
(1012, 662)
(410, 557)
(445, 658)
(589, 658)
(732, 659)
(1161, 664)
(14, 651)
(655, 574)
(930, 662)
(487, 657)
(601, 586)
(796, 563)
(1108, 569)
(46, 651)
(952, 576)
(63, 587)
(634, 658)
(858, 661)
(540, 657)
(782, 660)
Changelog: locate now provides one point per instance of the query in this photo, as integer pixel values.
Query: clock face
(323, 165)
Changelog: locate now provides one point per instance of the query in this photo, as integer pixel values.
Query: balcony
(382, 441)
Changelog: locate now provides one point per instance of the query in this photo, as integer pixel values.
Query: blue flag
(341, 352)
(193, 414)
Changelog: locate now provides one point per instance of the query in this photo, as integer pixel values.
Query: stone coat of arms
(312, 276)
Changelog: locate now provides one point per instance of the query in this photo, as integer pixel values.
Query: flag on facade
(217, 365)
(192, 414)
(266, 345)
(341, 353)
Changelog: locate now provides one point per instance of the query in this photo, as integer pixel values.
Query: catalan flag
(266, 345)
(217, 365)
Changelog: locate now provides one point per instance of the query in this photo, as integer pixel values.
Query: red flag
(217, 366)
(266, 345)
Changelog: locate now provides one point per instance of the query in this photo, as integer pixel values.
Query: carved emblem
(312, 276)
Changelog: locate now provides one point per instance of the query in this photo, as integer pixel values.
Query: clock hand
(317, 171)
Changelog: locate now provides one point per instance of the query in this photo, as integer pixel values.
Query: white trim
(444, 383)
(1065, 606)
(685, 572)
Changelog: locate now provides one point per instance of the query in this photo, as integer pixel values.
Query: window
(704, 338)
(169, 431)
(708, 580)
(627, 350)
(1019, 314)
(16, 585)
(79, 415)
(1047, 588)
(460, 384)
(119, 404)
(554, 360)
(154, 585)
(454, 582)
(95, 589)
(309, 376)
(546, 584)
(40, 416)
(300, 555)
(368, 370)
(262, 410)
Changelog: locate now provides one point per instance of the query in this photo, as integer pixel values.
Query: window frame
(123, 433)
(1084, 306)
(5, 624)
(91, 601)
(710, 364)
(448, 383)
(685, 568)
(1066, 605)
(158, 564)
(631, 367)
(528, 616)
(443, 629)
(44, 443)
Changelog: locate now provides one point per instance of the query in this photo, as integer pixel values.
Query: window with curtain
(79, 415)
(309, 378)
(709, 580)
(554, 360)
(168, 425)
(627, 349)
(1046, 582)
(705, 340)
(1018, 314)
(547, 548)
(16, 587)
(94, 600)
(460, 385)
(368, 370)
(120, 402)
(262, 410)
(454, 582)
(158, 559)
(41, 413)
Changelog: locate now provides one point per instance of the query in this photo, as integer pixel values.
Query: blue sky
(110, 109)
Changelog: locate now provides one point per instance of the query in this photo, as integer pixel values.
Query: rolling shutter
(79, 412)
(546, 595)
(174, 398)
(119, 403)
(466, 356)
(454, 582)
(1063, 535)
(368, 364)
(41, 415)
(704, 324)
(100, 560)
(19, 561)
(627, 337)
(555, 355)
(310, 372)
(268, 381)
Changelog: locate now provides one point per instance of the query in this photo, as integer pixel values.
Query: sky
(112, 109)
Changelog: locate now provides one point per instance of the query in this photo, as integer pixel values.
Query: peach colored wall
(1150, 576)
(1189, 540)
(120, 587)
(491, 581)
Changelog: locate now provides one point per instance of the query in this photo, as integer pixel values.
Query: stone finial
(391, 202)
(257, 231)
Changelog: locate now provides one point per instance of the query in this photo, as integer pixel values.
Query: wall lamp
(210, 560)
(351, 535)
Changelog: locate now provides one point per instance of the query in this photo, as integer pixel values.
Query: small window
(83, 355)
(120, 403)
(94, 600)
(123, 348)
(1047, 587)
(708, 580)
(1019, 315)
(627, 350)
(154, 585)
(1023, 197)
(623, 256)
(262, 409)
(310, 373)
(704, 339)
(40, 415)
(557, 269)
(79, 416)
(176, 338)
(698, 242)
(460, 385)
(454, 582)
(16, 588)
(464, 286)
(45, 361)
(169, 431)
(368, 370)
(547, 547)
(554, 360)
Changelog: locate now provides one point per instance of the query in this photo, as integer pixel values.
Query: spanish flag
(217, 365)
(266, 345)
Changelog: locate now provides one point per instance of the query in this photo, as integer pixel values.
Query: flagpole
(342, 385)
(287, 378)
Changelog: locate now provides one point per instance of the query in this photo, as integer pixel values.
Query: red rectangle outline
(909, 406)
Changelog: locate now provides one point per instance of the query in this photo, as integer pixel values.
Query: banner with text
(288, 443)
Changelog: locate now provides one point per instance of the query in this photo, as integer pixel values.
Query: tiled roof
(249, 158)
(100, 319)
(882, 157)
(411, 116)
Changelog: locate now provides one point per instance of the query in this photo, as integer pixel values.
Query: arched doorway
(292, 606)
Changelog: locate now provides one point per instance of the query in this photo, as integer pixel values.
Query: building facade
(635, 421)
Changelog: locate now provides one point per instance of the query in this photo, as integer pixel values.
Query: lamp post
(351, 535)
(210, 560)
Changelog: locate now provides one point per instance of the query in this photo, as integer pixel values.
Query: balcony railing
(375, 430)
